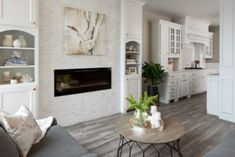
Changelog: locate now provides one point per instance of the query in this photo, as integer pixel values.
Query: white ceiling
(207, 10)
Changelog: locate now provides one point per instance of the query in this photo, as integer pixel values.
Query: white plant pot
(13, 81)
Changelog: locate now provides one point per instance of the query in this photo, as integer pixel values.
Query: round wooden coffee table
(169, 137)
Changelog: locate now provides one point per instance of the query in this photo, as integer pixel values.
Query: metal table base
(174, 146)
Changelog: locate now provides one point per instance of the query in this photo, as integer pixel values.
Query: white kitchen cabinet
(169, 88)
(213, 101)
(12, 97)
(134, 18)
(175, 41)
(18, 12)
(183, 84)
(166, 42)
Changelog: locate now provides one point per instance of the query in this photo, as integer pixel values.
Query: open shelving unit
(133, 53)
(28, 53)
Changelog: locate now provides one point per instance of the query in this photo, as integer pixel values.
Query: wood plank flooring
(203, 131)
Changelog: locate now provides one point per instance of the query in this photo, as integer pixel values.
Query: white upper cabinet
(166, 42)
(175, 41)
(18, 12)
(134, 19)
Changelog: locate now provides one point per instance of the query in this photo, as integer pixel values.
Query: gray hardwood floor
(203, 131)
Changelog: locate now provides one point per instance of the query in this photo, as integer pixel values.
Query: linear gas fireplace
(72, 81)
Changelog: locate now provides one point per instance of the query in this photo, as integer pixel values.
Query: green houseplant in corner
(154, 73)
(140, 105)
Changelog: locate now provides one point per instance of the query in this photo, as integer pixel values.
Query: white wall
(86, 106)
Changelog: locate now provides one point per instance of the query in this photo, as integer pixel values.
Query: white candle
(158, 116)
(153, 109)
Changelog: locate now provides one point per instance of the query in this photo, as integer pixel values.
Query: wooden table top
(172, 131)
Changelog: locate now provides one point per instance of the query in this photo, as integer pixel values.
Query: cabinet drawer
(172, 83)
(172, 89)
(172, 76)
(172, 96)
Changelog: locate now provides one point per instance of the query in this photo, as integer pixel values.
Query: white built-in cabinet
(175, 40)
(184, 83)
(18, 12)
(19, 19)
(133, 19)
(169, 89)
(12, 97)
(166, 42)
(131, 50)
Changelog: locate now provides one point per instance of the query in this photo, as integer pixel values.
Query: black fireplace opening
(73, 81)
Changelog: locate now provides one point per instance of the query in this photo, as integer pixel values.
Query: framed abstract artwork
(84, 32)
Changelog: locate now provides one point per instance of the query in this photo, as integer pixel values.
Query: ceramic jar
(22, 41)
(6, 76)
(17, 43)
(8, 40)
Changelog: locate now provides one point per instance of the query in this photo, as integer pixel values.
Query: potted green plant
(141, 106)
(154, 73)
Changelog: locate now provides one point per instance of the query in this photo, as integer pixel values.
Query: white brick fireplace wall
(85, 106)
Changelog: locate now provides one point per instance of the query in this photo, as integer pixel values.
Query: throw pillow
(23, 129)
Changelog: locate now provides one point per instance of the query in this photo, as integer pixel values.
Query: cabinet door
(133, 19)
(175, 41)
(172, 41)
(18, 12)
(164, 30)
(180, 88)
(213, 96)
(133, 87)
(11, 100)
(185, 87)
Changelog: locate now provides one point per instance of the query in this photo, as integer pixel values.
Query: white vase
(8, 40)
(22, 41)
(17, 43)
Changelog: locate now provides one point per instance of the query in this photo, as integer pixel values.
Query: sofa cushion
(23, 129)
(7, 146)
(59, 143)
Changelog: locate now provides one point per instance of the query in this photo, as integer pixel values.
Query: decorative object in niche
(8, 40)
(84, 32)
(22, 41)
(132, 70)
(15, 59)
(6, 76)
(26, 78)
(17, 43)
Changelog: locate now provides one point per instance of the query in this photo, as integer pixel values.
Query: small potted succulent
(141, 106)
(14, 79)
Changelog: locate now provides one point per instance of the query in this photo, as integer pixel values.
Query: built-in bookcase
(28, 53)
